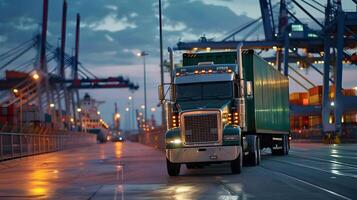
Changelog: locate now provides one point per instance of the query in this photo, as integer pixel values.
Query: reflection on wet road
(134, 171)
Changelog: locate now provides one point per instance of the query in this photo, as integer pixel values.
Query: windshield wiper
(218, 97)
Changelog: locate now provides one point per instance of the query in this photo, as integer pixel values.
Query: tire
(253, 157)
(173, 169)
(258, 150)
(286, 144)
(237, 164)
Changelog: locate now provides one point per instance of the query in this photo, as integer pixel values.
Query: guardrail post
(1, 148)
(12, 145)
(29, 142)
(39, 144)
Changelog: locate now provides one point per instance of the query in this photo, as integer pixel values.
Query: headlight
(231, 137)
(175, 141)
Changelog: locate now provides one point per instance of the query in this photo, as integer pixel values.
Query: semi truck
(225, 107)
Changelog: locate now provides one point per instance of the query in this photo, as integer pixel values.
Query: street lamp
(35, 76)
(16, 92)
(153, 109)
(52, 105)
(79, 110)
(144, 54)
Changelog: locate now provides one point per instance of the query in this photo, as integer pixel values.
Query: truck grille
(201, 128)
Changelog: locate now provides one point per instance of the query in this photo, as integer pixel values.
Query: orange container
(317, 90)
(349, 92)
(315, 99)
(299, 98)
(315, 121)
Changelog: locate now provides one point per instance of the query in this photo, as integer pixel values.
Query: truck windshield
(198, 91)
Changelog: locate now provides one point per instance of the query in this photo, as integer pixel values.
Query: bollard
(12, 146)
(1, 148)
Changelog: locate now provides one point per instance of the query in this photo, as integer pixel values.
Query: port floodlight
(35, 76)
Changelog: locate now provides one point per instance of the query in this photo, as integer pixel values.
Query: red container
(317, 90)
(15, 75)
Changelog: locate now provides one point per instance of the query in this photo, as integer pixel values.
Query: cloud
(112, 7)
(111, 24)
(25, 24)
(170, 26)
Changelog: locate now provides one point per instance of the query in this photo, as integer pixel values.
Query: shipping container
(315, 122)
(190, 59)
(317, 90)
(299, 98)
(268, 109)
(9, 74)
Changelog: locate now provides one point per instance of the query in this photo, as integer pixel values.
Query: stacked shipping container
(314, 97)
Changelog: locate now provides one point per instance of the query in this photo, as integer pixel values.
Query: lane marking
(336, 172)
(329, 161)
(228, 188)
(308, 183)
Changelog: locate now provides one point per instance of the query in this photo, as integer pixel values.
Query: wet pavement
(134, 171)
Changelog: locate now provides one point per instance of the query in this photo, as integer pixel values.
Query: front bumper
(203, 154)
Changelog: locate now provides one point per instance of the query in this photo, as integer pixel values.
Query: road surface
(134, 171)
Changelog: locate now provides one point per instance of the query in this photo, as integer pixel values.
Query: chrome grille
(201, 128)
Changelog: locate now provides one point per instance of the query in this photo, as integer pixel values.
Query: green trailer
(225, 107)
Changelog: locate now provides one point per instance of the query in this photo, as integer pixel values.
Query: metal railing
(15, 145)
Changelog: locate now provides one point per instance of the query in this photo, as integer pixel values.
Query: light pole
(131, 113)
(144, 54)
(17, 92)
(163, 115)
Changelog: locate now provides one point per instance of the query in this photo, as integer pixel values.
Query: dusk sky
(113, 31)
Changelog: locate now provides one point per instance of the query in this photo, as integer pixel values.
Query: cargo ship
(91, 119)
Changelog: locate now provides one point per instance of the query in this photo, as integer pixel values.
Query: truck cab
(204, 118)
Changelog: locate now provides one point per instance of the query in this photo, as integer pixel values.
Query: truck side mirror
(250, 88)
(161, 93)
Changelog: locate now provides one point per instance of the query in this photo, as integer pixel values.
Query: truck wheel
(173, 169)
(286, 144)
(253, 158)
(237, 164)
(258, 151)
